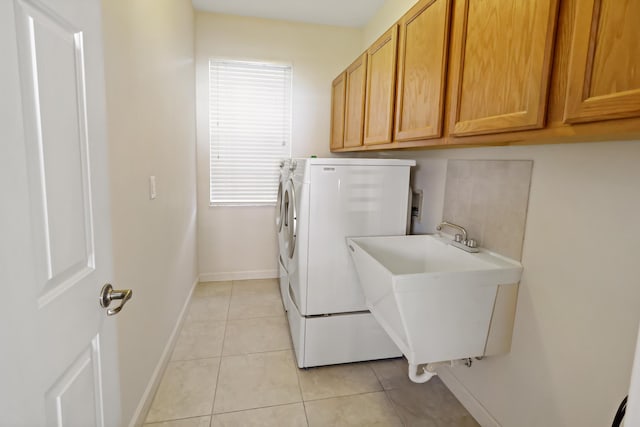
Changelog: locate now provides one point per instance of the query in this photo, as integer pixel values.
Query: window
(249, 130)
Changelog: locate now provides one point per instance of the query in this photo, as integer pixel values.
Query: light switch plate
(152, 188)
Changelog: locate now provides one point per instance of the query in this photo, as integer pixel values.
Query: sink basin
(434, 300)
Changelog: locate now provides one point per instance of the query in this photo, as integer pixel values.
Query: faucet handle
(458, 238)
(471, 243)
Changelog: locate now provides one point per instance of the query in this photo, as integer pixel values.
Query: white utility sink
(434, 300)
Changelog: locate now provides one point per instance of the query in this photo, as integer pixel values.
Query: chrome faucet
(456, 226)
(460, 240)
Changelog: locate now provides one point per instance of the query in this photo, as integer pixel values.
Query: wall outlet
(416, 204)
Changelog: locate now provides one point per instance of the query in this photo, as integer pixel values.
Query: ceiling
(344, 13)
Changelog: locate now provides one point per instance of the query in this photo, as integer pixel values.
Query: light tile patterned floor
(233, 366)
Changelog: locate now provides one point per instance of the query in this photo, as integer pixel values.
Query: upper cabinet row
(470, 72)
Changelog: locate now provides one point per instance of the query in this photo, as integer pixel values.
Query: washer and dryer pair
(322, 202)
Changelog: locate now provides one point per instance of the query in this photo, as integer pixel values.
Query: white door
(58, 351)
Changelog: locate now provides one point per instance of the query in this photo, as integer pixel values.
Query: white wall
(387, 14)
(240, 242)
(577, 315)
(149, 56)
(578, 306)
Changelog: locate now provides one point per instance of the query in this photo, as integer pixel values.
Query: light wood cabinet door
(422, 64)
(380, 91)
(355, 76)
(500, 65)
(604, 67)
(338, 92)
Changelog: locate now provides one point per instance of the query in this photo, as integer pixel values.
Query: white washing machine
(329, 200)
(283, 258)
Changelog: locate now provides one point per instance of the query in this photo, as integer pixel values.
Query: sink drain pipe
(423, 373)
(426, 372)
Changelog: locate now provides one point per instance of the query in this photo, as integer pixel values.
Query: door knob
(108, 294)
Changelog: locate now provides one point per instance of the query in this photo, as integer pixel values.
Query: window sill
(240, 205)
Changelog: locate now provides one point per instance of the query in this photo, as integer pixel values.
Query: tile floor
(233, 365)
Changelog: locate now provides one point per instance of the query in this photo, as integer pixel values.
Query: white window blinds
(250, 130)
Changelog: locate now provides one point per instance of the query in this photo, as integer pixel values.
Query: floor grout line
(259, 407)
(375, 375)
(386, 395)
(343, 395)
(247, 354)
(393, 406)
(306, 415)
(295, 366)
(257, 352)
(215, 387)
(232, 355)
(224, 336)
(257, 317)
(175, 419)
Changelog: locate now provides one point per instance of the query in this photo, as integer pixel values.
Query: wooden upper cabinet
(355, 76)
(338, 92)
(380, 89)
(500, 65)
(604, 63)
(422, 64)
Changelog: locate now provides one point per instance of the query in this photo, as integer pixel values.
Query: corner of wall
(387, 14)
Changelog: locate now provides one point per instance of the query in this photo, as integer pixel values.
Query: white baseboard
(239, 275)
(468, 400)
(147, 397)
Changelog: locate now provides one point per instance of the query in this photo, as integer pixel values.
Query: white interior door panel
(59, 363)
